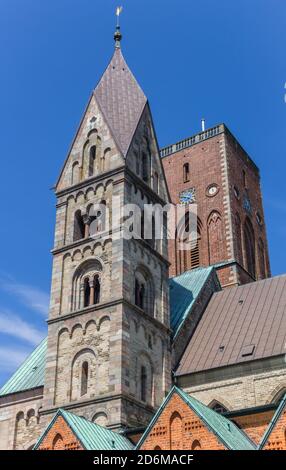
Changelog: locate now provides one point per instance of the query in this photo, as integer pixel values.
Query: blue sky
(223, 60)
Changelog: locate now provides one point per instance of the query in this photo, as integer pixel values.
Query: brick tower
(108, 328)
(213, 170)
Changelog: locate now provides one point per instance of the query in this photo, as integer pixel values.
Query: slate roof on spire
(121, 100)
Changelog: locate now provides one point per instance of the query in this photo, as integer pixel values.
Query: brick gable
(179, 428)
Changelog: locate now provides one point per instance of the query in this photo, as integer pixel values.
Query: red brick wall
(179, 428)
(204, 163)
(254, 425)
(60, 437)
(277, 439)
(207, 167)
(238, 162)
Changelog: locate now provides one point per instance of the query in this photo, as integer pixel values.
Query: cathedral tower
(212, 170)
(108, 353)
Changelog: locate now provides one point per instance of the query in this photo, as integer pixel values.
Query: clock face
(212, 190)
(188, 196)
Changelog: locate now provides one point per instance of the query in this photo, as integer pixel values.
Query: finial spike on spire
(117, 34)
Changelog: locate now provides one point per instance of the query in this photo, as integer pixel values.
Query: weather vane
(118, 13)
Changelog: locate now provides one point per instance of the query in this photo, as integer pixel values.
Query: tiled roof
(91, 435)
(184, 290)
(240, 324)
(121, 100)
(273, 422)
(225, 430)
(30, 374)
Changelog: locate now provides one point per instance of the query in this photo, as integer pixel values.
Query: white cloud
(31, 296)
(13, 325)
(11, 358)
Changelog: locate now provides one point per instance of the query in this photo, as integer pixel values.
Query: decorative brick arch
(58, 443)
(216, 240)
(176, 432)
(196, 445)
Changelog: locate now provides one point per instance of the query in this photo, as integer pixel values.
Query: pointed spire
(120, 97)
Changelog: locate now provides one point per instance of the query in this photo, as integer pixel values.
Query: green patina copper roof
(30, 374)
(184, 291)
(224, 429)
(273, 422)
(91, 435)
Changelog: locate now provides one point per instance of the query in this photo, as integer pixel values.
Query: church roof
(30, 374)
(224, 429)
(184, 291)
(91, 435)
(240, 324)
(121, 100)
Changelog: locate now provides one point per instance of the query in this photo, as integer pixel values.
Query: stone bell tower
(108, 330)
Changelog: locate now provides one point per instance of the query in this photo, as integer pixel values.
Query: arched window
(196, 445)
(218, 407)
(96, 289)
(186, 172)
(261, 257)
(157, 448)
(92, 160)
(31, 417)
(84, 378)
(86, 280)
(98, 214)
(249, 248)
(216, 238)
(143, 383)
(189, 247)
(79, 226)
(144, 290)
(142, 225)
(87, 297)
(142, 296)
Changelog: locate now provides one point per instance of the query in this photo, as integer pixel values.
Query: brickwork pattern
(221, 163)
(179, 428)
(60, 437)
